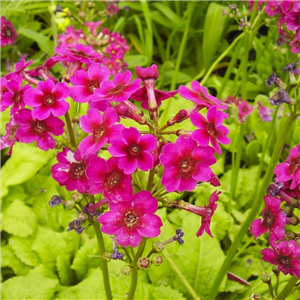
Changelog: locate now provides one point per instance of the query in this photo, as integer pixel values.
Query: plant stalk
(287, 289)
(70, 130)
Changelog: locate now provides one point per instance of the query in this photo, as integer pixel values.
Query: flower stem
(70, 130)
(288, 288)
(151, 179)
(104, 268)
(255, 208)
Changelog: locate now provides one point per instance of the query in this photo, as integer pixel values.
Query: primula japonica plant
(109, 193)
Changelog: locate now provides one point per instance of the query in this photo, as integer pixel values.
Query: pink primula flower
(9, 139)
(85, 82)
(133, 150)
(273, 219)
(71, 170)
(199, 95)
(265, 113)
(48, 98)
(272, 8)
(210, 130)
(70, 37)
(295, 43)
(185, 163)
(93, 26)
(286, 255)
(244, 110)
(38, 130)
(132, 220)
(290, 169)
(15, 97)
(115, 51)
(102, 129)
(106, 177)
(118, 90)
(292, 20)
(8, 33)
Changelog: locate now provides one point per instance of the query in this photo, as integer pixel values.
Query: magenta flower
(292, 20)
(265, 113)
(185, 163)
(244, 110)
(115, 51)
(3, 90)
(112, 64)
(290, 169)
(133, 150)
(273, 219)
(119, 89)
(109, 179)
(199, 95)
(19, 68)
(147, 73)
(10, 137)
(8, 32)
(141, 95)
(295, 43)
(48, 98)
(103, 129)
(205, 222)
(93, 26)
(15, 97)
(132, 220)
(84, 82)
(210, 130)
(286, 255)
(272, 8)
(112, 9)
(71, 170)
(70, 37)
(38, 130)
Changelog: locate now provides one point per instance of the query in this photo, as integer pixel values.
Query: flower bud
(81, 14)
(77, 197)
(157, 260)
(293, 220)
(70, 204)
(76, 119)
(106, 256)
(144, 263)
(58, 145)
(255, 296)
(275, 270)
(290, 236)
(81, 217)
(126, 270)
(265, 277)
(158, 247)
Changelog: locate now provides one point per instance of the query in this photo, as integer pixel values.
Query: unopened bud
(77, 197)
(282, 51)
(76, 119)
(157, 260)
(265, 277)
(268, 21)
(90, 4)
(275, 270)
(293, 220)
(287, 210)
(178, 118)
(126, 270)
(144, 263)
(81, 217)
(106, 256)
(255, 296)
(81, 14)
(58, 145)
(70, 204)
(158, 247)
(290, 236)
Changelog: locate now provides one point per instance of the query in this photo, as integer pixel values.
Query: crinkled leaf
(33, 286)
(18, 219)
(23, 250)
(165, 292)
(48, 244)
(63, 265)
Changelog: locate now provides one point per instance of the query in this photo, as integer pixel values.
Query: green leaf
(22, 248)
(252, 150)
(136, 60)
(84, 259)
(165, 292)
(24, 163)
(168, 13)
(48, 244)
(63, 264)
(44, 42)
(34, 286)
(18, 219)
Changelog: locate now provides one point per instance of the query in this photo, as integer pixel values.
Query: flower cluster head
(279, 216)
(8, 32)
(243, 107)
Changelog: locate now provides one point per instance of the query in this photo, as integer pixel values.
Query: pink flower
(295, 43)
(70, 37)
(244, 110)
(290, 169)
(15, 97)
(265, 113)
(286, 255)
(19, 68)
(109, 179)
(9, 139)
(3, 90)
(185, 164)
(272, 8)
(205, 222)
(85, 82)
(48, 98)
(71, 170)
(36, 130)
(141, 95)
(292, 20)
(210, 130)
(112, 64)
(93, 26)
(290, 6)
(112, 9)
(133, 150)
(8, 33)
(115, 51)
(147, 73)
(273, 219)
(132, 220)
(103, 129)
(119, 89)
(199, 95)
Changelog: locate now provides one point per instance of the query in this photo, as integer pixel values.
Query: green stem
(181, 277)
(255, 208)
(179, 57)
(271, 289)
(134, 272)
(287, 289)
(244, 66)
(277, 283)
(104, 268)
(150, 179)
(70, 130)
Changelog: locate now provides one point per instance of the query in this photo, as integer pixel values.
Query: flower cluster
(279, 215)
(110, 46)
(243, 107)
(8, 33)
(36, 109)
